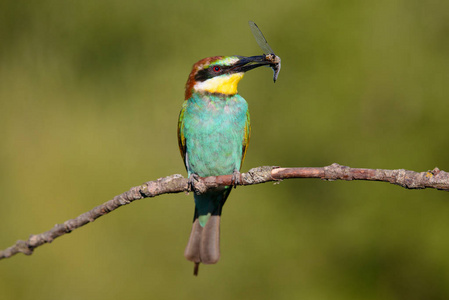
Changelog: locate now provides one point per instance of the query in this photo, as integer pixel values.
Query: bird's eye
(217, 69)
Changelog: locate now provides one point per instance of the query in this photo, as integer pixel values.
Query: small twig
(176, 183)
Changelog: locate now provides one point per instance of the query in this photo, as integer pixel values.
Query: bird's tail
(204, 242)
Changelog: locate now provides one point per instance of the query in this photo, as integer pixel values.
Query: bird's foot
(196, 185)
(236, 178)
(193, 179)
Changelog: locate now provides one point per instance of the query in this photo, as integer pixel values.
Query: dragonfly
(266, 49)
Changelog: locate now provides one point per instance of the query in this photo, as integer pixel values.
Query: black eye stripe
(205, 74)
(202, 75)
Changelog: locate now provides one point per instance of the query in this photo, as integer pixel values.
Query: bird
(213, 136)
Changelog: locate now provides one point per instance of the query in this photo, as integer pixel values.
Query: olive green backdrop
(90, 93)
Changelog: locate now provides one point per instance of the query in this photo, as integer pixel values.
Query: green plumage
(216, 133)
(215, 129)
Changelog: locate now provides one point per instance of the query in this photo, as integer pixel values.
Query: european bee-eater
(213, 135)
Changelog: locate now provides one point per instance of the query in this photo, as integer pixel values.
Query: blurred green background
(89, 99)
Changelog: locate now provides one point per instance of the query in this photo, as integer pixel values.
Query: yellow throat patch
(225, 84)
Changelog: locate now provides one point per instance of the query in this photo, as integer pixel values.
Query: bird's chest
(214, 130)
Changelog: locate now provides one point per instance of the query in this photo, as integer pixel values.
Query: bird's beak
(248, 63)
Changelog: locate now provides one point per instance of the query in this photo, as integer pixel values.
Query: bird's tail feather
(204, 242)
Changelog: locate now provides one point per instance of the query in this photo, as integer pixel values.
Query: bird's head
(221, 74)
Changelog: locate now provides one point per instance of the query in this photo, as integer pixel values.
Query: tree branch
(176, 183)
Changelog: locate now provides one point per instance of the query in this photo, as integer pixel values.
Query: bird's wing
(181, 137)
(246, 137)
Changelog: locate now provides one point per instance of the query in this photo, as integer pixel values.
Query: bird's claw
(193, 179)
(196, 185)
(236, 178)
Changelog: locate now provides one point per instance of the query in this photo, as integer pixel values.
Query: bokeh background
(90, 93)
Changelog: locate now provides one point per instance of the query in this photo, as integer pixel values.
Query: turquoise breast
(214, 128)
